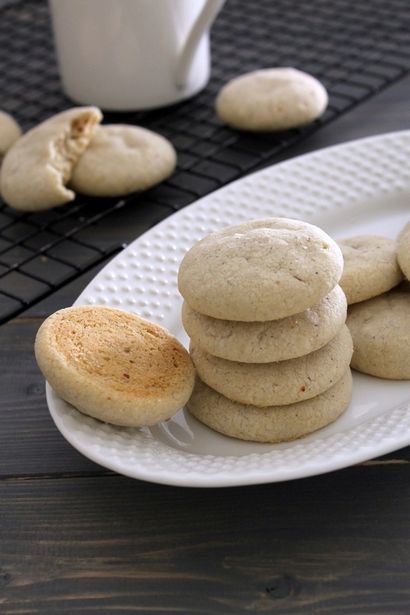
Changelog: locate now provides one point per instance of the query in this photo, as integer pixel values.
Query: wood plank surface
(338, 543)
(29, 441)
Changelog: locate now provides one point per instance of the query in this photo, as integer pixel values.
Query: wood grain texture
(29, 441)
(339, 543)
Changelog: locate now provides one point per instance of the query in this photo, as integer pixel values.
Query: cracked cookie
(37, 168)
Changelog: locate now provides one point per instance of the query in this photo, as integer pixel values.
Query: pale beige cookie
(114, 366)
(271, 99)
(122, 159)
(260, 270)
(10, 131)
(370, 267)
(274, 423)
(380, 329)
(283, 382)
(38, 166)
(273, 340)
(403, 250)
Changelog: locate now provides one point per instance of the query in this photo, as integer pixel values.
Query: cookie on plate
(274, 423)
(403, 250)
(273, 340)
(38, 166)
(370, 267)
(271, 99)
(380, 329)
(114, 366)
(279, 383)
(10, 131)
(122, 159)
(260, 270)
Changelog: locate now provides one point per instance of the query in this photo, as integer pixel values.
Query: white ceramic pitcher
(133, 54)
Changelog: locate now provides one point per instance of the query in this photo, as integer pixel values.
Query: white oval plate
(355, 188)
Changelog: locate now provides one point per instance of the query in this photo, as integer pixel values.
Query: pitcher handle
(204, 21)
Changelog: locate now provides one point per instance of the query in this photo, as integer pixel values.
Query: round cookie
(260, 270)
(380, 329)
(271, 99)
(403, 250)
(274, 423)
(38, 166)
(273, 340)
(122, 159)
(280, 383)
(10, 131)
(370, 267)
(114, 366)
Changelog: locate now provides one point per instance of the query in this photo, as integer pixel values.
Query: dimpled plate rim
(320, 187)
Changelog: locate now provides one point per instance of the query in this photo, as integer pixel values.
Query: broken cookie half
(38, 166)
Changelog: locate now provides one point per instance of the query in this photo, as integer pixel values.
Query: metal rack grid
(355, 48)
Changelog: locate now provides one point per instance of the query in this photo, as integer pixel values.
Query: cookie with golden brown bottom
(114, 365)
(273, 423)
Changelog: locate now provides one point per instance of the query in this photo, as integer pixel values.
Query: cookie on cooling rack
(271, 99)
(122, 159)
(38, 166)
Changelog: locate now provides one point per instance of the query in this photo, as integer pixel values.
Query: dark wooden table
(76, 538)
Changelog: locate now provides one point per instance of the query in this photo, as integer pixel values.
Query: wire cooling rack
(355, 47)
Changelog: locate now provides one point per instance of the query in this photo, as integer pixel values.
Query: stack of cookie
(266, 320)
(379, 314)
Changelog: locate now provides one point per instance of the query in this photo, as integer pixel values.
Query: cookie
(114, 366)
(403, 250)
(10, 131)
(260, 270)
(370, 267)
(279, 383)
(122, 159)
(273, 340)
(274, 423)
(271, 99)
(38, 166)
(380, 329)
